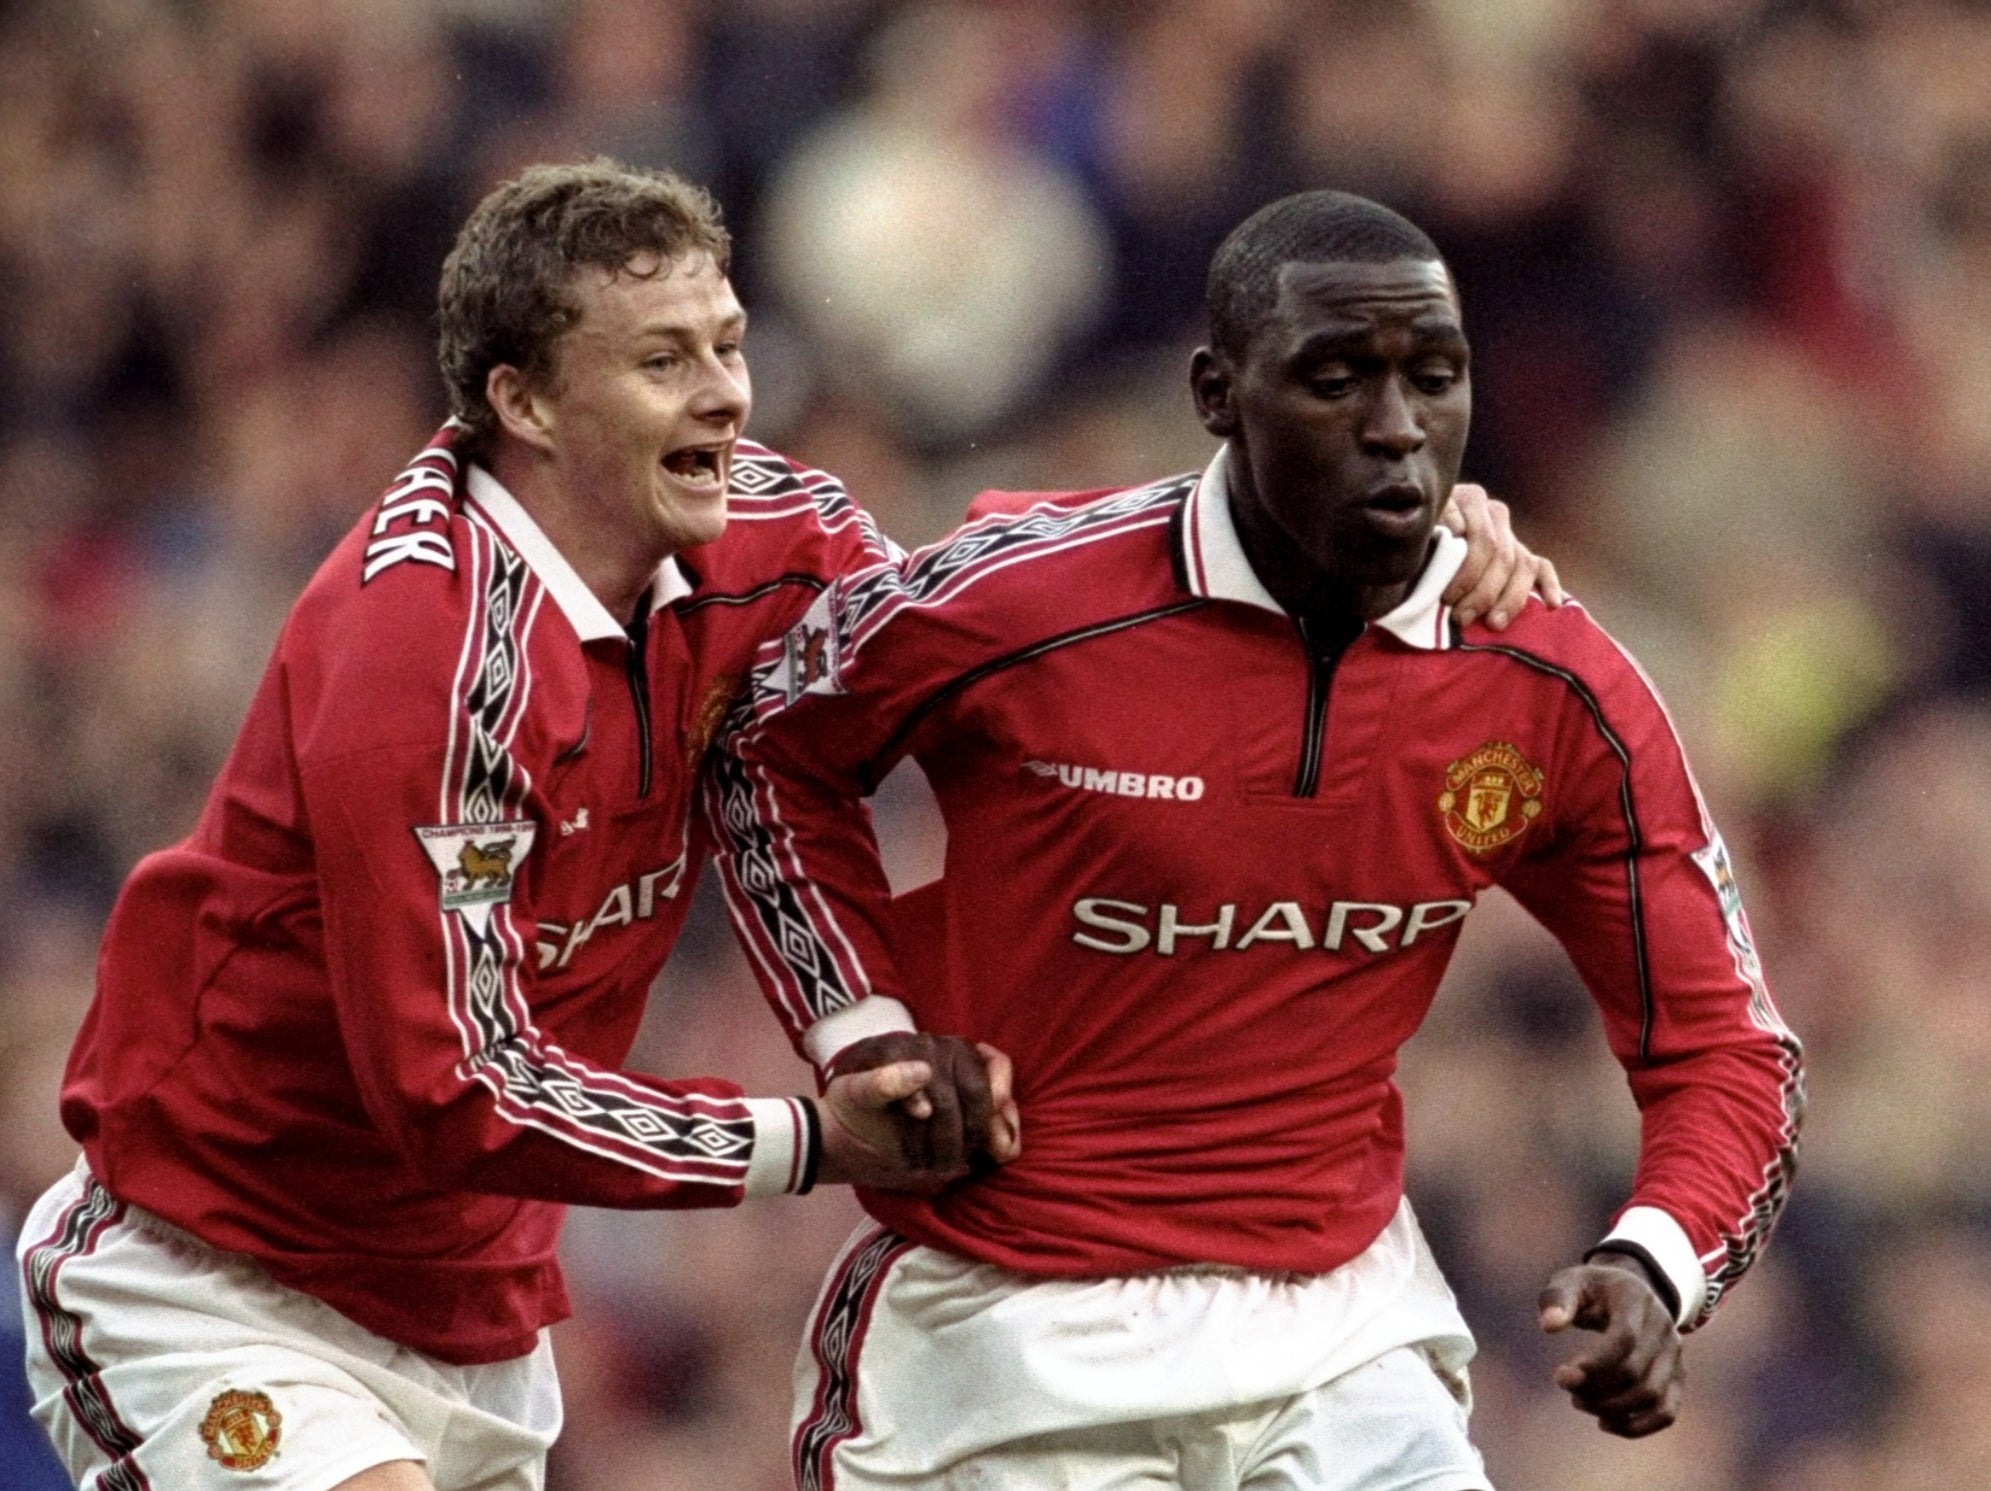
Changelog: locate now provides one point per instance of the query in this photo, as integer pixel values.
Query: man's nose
(725, 392)
(1391, 423)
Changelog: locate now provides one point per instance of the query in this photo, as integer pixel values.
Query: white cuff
(780, 1162)
(1665, 1242)
(876, 1015)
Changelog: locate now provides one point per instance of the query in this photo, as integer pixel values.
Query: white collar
(1213, 559)
(584, 611)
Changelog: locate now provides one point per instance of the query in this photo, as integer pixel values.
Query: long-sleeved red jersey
(363, 1025)
(1204, 873)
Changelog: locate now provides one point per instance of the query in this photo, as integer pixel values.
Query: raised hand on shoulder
(1499, 570)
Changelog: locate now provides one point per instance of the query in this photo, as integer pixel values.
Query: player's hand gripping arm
(1629, 1377)
(1499, 569)
(810, 899)
(912, 1111)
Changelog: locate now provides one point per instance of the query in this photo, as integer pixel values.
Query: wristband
(1654, 1274)
(812, 1145)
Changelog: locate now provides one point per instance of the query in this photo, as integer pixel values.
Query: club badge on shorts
(477, 862)
(1490, 797)
(242, 1429)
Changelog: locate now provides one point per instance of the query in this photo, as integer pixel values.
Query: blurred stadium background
(1727, 266)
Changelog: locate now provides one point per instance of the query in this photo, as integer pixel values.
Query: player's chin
(698, 521)
(1374, 562)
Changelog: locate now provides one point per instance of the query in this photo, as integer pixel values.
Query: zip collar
(1214, 564)
(589, 618)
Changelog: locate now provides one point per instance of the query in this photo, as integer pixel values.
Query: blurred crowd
(1727, 269)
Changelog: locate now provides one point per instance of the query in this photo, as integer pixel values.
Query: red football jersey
(1204, 873)
(364, 1024)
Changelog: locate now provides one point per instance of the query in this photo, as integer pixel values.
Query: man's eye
(1331, 385)
(729, 349)
(1435, 380)
(661, 362)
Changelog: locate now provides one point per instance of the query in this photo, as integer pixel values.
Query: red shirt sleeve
(821, 725)
(453, 1049)
(1636, 884)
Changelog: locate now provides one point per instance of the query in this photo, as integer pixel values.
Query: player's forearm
(1717, 1156)
(805, 887)
(519, 1124)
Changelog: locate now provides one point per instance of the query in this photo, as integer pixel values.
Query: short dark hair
(507, 285)
(1307, 228)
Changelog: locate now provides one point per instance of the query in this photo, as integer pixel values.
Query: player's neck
(616, 570)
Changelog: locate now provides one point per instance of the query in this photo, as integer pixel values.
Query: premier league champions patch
(1713, 860)
(477, 862)
(811, 661)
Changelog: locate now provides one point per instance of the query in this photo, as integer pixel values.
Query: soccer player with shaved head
(1223, 774)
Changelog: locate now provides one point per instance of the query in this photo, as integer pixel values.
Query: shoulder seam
(1627, 807)
(937, 574)
(869, 774)
(795, 578)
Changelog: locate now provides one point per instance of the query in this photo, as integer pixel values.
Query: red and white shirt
(1203, 877)
(365, 1023)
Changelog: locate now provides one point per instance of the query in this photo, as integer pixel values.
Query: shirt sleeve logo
(478, 862)
(242, 1429)
(1713, 861)
(1490, 797)
(811, 653)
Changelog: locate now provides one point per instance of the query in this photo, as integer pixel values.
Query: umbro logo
(1118, 783)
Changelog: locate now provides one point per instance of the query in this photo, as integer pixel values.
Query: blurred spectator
(943, 267)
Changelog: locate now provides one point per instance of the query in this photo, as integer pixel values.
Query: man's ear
(522, 413)
(1210, 384)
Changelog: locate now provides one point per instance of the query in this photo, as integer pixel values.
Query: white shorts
(924, 1371)
(161, 1364)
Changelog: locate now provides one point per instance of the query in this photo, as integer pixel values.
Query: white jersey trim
(1214, 560)
(875, 1014)
(780, 1146)
(583, 609)
(1666, 1243)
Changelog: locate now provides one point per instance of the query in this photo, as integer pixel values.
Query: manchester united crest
(719, 699)
(242, 1429)
(1490, 797)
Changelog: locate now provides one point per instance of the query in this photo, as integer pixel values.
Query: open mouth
(1398, 497)
(1396, 513)
(698, 465)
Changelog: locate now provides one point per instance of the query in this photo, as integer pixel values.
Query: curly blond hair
(507, 286)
